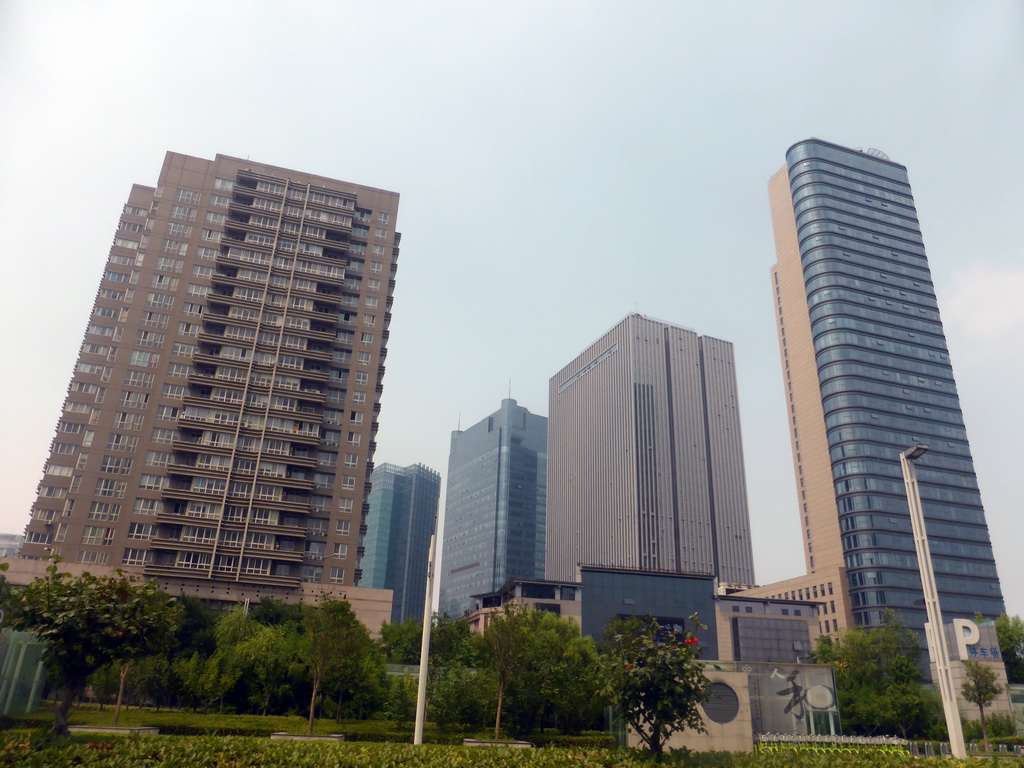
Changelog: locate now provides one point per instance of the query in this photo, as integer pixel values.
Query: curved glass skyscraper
(867, 375)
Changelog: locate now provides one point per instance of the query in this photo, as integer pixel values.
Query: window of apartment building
(315, 550)
(143, 531)
(340, 551)
(163, 435)
(90, 557)
(187, 196)
(133, 556)
(337, 576)
(194, 560)
(373, 284)
(144, 359)
(138, 379)
(159, 301)
(168, 264)
(104, 510)
(174, 391)
(154, 319)
(147, 506)
(183, 213)
(97, 535)
(383, 217)
(158, 458)
(130, 421)
(153, 482)
(181, 349)
(149, 339)
(116, 465)
(164, 283)
(311, 573)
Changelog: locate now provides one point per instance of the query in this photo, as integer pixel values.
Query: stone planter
(307, 737)
(511, 744)
(138, 730)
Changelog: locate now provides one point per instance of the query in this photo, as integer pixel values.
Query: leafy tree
(980, 687)
(655, 680)
(461, 695)
(573, 685)
(273, 612)
(206, 681)
(266, 658)
(1010, 630)
(151, 679)
(104, 683)
(334, 639)
(507, 639)
(400, 705)
(878, 680)
(401, 641)
(196, 628)
(88, 622)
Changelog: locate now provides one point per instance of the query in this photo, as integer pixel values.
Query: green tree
(980, 687)
(88, 622)
(401, 642)
(878, 680)
(206, 681)
(334, 639)
(1010, 630)
(507, 640)
(265, 658)
(655, 680)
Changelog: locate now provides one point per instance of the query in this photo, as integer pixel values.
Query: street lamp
(938, 648)
(421, 684)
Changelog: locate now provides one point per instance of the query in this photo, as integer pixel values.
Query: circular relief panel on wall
(723, 704)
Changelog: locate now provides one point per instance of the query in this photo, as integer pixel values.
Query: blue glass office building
(494, 506)
(860, 316)
(403, 506)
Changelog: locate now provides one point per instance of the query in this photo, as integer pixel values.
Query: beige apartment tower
(645, 458)
(219, 427)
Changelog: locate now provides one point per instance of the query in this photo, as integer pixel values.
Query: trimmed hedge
(19, 749)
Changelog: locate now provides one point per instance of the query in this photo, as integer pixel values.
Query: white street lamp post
(938, 648)
(421, 688)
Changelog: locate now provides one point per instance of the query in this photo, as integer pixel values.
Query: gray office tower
(403, 506)
(868, 375)
(646, 462)
(494, 508)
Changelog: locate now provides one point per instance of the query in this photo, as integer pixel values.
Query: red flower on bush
(691, 640)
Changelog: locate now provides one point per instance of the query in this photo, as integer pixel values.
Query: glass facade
(668, 597)
(886, 384)
(403, 506)
(494, 506)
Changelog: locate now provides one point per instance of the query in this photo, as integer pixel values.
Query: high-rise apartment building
(403, 507)
(219, 427)
(645, 457)
(494, 505)
(867, 375)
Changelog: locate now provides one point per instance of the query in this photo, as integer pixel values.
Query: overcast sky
(561, 164)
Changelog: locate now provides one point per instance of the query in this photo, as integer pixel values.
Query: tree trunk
(123, 675)
(62, 712)
(312, 704)
(984, 727)
(497, 716)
